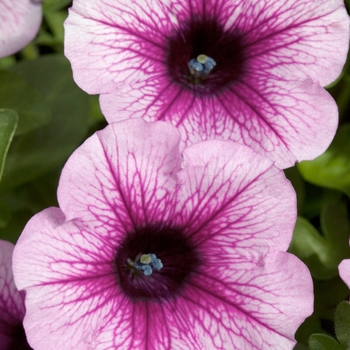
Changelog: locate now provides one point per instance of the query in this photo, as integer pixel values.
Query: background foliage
(44, 117)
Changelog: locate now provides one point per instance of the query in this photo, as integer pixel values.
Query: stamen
(201, 66)
(147, 263)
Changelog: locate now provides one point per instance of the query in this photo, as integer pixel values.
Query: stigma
(201, 66)
(147, 263)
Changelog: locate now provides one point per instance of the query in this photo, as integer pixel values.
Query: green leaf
(25, 201)
(55, 22)
(42, 150)
(322, 253)
(336, 230)
(96, 116)
(312, 324)
(328, 294)
(56, 4)
(331, 169)
(8, 61)
(5, 215)
(14, 228)
(17, 94)
(342, 324)
(324, 342)
(313, 249)
(316, 198)
(298, 183)
(8, 124)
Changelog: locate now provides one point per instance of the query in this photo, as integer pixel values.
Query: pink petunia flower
(12, 310)
(344, 271)
(154, 250)
(247, 71)
(19, 23)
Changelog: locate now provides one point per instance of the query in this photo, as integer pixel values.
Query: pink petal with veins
(219, 217)
(272, 59)
(12, 310)
(19, 24)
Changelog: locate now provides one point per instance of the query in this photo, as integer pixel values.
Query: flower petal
(287, 121)
(121, 37)
(234, 211)
(108, 42)
(19, 23)
(296, 38)
(123, 176)
(11, 300)
(70, 282)
(236, 200)
(253, 306)
(67, 271)
(275, 104)
(344, 271)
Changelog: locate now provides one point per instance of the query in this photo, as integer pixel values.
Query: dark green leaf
(331, 169)
(324, 342)
(8, 124)
(56, 4)
(316, 198)
(328, 294)
(5, 215)
(25, 201)
(313, 249)
(342, 324)
(298, 183)
(311, 325)
(55, 22)
(15, 226)
(6, 62)
(17, 94)
(40, 151)
(336, 230)
(96, 115)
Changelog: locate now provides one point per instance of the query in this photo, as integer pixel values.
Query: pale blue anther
(195, 65)
(147, 270)
(208, 65)
(147, 263)
(157, 264)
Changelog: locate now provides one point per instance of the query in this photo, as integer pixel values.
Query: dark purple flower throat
(16, 333)
(179, 259)
(205, 37)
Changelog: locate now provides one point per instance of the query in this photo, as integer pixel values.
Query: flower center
(201, 67)
(161, 274)
(222, 65)
(19, 339)
(146, 263)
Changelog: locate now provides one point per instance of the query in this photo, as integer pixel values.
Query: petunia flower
(344, 271)
(247, 71)
(12, 310)
(152, 250)
(19, 23)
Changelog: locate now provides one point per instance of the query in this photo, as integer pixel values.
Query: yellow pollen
(202, 58)
(145, 259)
